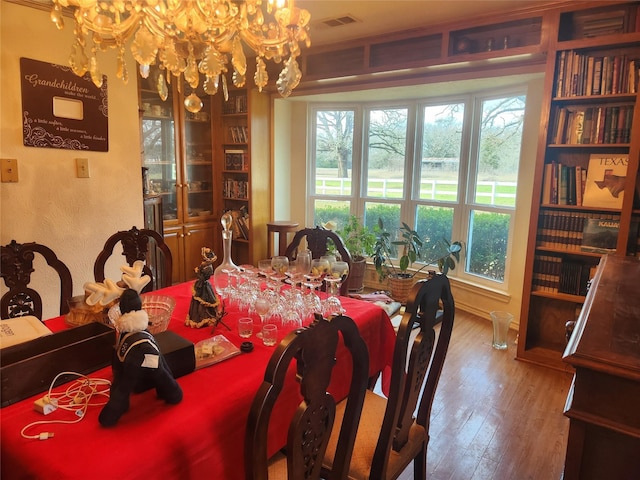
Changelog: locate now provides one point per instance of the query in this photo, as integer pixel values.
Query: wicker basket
(355, 281)
(400, 287)
(80, 313)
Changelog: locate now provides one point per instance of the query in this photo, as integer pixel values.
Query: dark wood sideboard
(604, 400)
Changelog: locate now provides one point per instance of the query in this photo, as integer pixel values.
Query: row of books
(240, 225)
(563, 184)
(560, 275)
(592, 125)
(237, 104)
(235, 189)
(584, 75)
(609, 22)
(566, 229)
(238, 134)
(600, 185)
(236, 160)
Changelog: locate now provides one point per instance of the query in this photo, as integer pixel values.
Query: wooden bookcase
(582, 118)
(243, 170)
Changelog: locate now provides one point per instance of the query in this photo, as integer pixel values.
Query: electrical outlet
(82, 167)
(9, 170)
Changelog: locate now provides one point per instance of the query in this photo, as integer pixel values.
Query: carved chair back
(135, 246)
(16, 267)
(430, 303)
(312, 350)
(316, 239)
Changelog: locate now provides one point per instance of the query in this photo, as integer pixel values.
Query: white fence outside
(429, 189)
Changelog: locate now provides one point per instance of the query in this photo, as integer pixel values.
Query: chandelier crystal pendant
(190, 39)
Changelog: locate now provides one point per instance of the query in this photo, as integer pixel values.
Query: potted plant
(359, 240)
(411, 248)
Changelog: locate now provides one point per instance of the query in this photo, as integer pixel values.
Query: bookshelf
(243, 171)
(587, 172)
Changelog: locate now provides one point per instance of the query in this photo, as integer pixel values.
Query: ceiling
(376, 17)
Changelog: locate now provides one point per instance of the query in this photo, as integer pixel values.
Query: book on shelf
(235, 160)
(585, 74)
(554, 274)
(592, 125)
(563, 184)
(238, 134)
(600, 235)
(606, 177)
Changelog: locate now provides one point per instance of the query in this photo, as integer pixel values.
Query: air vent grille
(338, 21)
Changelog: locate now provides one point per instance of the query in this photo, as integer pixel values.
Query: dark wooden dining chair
(135, 246)
(16, 267)
(390, 437)
(313, 351)
(316, 239)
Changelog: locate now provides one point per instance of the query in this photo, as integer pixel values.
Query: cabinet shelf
(578, 208)
(599, 146)
(610, 98)
(567, 252)
(618, 40)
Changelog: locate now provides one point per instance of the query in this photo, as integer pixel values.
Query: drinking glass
(339, 271)
(279, 264)
(262, 306)
(269, 334)
(304, 262)
(245, 327)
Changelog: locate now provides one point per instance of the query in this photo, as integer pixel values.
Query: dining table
(200, 437)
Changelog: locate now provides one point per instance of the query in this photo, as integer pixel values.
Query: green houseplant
(411, 248)
(360, 241)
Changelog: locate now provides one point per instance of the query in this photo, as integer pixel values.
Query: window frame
(411, 201)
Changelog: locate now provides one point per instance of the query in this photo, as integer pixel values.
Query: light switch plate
(9, 168)
(82, 167)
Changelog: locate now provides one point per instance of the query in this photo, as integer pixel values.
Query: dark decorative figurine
(206, 308)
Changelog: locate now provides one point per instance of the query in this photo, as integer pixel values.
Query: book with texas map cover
(606, 178)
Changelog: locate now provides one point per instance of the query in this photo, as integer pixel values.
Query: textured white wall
(49, 205)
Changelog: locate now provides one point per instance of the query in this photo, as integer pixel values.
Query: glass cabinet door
(199, 160)
(159, 147)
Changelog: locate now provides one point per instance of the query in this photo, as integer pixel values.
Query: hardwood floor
(495, 417)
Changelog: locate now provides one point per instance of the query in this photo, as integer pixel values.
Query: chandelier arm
(175, 34)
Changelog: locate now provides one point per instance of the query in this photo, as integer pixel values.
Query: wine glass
(338, 274)
(279, 264)
(264, 267)
(262, 306)
(304, 262)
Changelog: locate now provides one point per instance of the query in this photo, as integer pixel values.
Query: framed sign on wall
(61, 109)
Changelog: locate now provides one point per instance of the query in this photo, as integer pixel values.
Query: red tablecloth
(201, 436)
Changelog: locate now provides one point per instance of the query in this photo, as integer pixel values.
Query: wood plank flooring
(495, 417)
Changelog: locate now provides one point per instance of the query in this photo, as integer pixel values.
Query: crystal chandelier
(188, 38)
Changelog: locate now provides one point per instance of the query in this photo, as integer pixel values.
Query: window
(448, 168)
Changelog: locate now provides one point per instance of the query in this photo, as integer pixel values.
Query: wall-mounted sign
(62, 110)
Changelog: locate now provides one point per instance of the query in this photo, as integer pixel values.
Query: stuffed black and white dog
(137, 361)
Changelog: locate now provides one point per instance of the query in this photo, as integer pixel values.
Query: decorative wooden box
(28, 368)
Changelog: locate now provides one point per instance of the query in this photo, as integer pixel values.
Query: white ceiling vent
(338, 21)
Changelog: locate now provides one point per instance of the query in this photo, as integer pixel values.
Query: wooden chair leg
(420, 464)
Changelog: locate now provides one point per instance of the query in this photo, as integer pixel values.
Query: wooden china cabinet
(178, 153)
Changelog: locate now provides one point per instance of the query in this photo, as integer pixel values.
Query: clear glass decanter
(223, 274)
